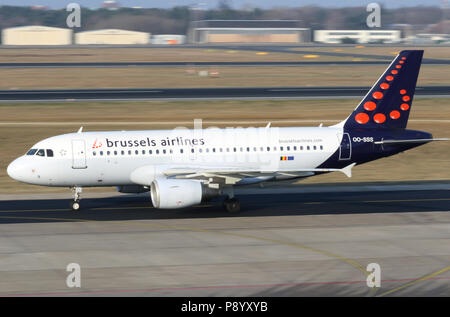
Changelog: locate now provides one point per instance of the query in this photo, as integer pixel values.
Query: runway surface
(312, 241)
(206, 64)
(192, 64)
(200, 93)
(288, 49)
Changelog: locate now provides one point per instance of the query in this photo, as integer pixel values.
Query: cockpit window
(49, 153)
(40, 152)
(32, 152)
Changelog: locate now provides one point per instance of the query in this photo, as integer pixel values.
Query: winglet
(348, 170)
(80, 130)
(268, 125)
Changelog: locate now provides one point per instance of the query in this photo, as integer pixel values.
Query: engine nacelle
(179, 193)
(132, 189)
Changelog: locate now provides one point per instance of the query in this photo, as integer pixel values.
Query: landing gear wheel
(75, 205)
(232, 205)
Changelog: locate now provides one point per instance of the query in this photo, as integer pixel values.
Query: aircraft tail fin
(388, 102)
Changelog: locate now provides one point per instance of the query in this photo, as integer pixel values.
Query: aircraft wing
(232, 175)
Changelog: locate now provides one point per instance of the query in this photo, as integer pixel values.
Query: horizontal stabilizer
(410, 141)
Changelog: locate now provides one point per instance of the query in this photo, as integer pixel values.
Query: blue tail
(388, 103)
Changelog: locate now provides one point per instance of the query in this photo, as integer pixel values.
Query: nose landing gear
(75, 204)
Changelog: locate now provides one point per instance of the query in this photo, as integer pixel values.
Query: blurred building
(169, 39)
(248, 31)
(36, 35)
(426, 38)
(112, 37)
(357, 36)
(110, 4)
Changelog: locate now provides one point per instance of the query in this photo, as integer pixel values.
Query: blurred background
(216, 44)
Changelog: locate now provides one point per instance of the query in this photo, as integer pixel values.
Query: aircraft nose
(15, 170)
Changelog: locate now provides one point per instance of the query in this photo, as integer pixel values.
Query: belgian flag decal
(286, 158)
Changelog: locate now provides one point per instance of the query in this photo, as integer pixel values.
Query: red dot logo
(404, 106)
(403, 91)
(406, 98)
(370, 105)
(394, 114)
(394, 71)
(362, 118)
(384, 86)
(398, 66)
(379, 118)
(401, 62)
(377, 95)
(389, 78)
(403, 58)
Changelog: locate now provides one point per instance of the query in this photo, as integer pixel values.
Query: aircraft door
(78, 154)
(345, 148)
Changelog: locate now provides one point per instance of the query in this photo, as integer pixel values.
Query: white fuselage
(139, 157)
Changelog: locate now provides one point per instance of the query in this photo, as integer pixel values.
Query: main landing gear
(75, 204)
(231, 204)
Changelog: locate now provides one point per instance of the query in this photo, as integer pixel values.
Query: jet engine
(179, 193)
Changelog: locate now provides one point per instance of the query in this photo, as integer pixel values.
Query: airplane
(184, 167)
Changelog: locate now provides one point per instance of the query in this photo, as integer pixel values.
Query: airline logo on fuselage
(178, 141)
(97, 144)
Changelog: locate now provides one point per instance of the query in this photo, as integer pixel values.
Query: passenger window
(40, 153)
(93, 153)
(49, 153)
(32, 152)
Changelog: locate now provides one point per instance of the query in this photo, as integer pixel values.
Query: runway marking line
(425, 278)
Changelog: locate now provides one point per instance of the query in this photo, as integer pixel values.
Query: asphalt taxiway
(314, 240)
(202, 93)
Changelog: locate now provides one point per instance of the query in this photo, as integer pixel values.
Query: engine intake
(179, 193)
